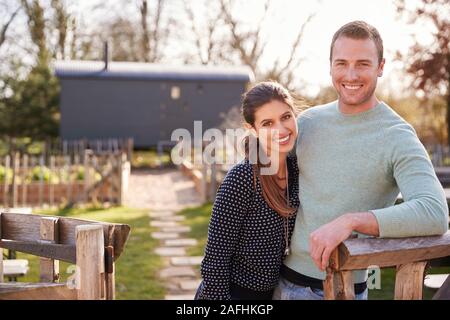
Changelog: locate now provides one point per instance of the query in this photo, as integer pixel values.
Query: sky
(331, 15)
(283, 24)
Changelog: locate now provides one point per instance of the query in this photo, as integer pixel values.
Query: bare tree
(153, 34)
(206, 42)
(429, 65)
(242, 44)
(61, 21)
(36, 25)
(6, 25)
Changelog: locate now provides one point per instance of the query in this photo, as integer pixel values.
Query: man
(354, 156)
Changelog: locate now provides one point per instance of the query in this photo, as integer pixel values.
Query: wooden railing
(409, 255)
(92, 246)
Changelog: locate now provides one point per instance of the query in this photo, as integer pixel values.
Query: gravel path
(165, 193)
(164, 189)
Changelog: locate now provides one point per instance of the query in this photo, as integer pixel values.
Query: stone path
(166, 192)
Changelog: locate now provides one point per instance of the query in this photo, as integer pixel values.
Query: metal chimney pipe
(106, 55)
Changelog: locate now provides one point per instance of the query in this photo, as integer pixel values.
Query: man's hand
(324, 240)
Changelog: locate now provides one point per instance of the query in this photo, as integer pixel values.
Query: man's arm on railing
(325, 239)
(424, 211)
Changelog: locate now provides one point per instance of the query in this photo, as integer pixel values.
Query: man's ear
(381, 68)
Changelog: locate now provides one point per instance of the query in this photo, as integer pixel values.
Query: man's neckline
(358, 114)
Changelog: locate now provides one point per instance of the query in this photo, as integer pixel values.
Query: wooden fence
(93, 246)
(63, 179)
(206, 178)
(410, 256)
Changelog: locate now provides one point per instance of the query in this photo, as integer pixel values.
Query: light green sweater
(359, 163)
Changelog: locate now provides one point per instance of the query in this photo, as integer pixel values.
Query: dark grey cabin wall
(142, 109)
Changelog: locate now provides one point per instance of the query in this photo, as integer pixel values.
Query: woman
(254, 214)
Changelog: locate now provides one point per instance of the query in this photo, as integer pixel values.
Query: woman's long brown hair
(260, 94)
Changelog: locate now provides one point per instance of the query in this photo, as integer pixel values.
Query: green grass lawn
(198, 220)
(137, 266)
(147, 159)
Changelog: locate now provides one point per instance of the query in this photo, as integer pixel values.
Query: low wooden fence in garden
(206, 178)
(63, 180)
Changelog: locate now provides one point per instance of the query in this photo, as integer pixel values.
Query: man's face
(354, 72)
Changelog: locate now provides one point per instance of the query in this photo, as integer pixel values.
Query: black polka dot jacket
(246, 238)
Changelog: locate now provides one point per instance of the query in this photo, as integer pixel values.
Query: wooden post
(15, 172)
(86, 176)
(1, 252)
(60, 169)
(49, 233)
(112, 178)
(204, 184)
(213, 184)
(64, 147)
(24, 182)
(6, 184)
(338, 285)
(41, 180)
(409, 281)
(122, 168)
(90, 253)
(110, 273)
(51, 185)
(328, 286)
(129, 148)
(95, 192)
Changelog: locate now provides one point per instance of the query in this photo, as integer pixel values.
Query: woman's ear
(250, 128)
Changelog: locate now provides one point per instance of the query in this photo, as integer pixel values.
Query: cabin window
(175, 92)
(200, 89)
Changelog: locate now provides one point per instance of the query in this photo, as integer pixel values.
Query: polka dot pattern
(246, 241)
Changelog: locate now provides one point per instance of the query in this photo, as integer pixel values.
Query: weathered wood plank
(36, 291)
(339, 285)
(110, 282)
(26, 228)
(329, 292)
(409, 281)
(444, 292)
(361, 253)
(345, 279)
(62, 252)
(90, 263)
(49, 268)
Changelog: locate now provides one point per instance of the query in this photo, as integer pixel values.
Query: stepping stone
(178, 229)
(165, 235)
(161, 214)
(434, 281)
(180, 297)
(160, 224)
(170, 252)
(172, 218)
(186, 261)
(177, 272)
(189, 285)
(180, 242)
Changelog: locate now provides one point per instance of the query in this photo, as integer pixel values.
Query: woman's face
(275, 126)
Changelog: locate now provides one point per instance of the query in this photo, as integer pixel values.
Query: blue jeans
(287, 290)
